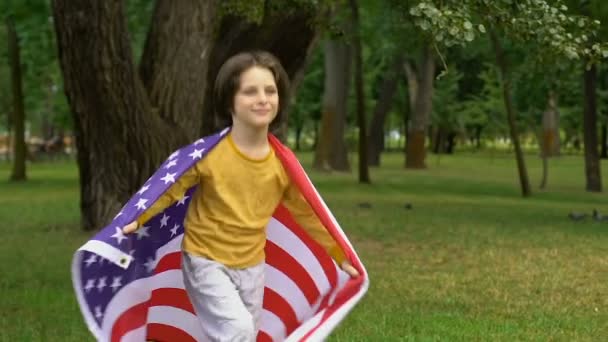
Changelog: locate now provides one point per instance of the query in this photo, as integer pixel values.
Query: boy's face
(256, 102)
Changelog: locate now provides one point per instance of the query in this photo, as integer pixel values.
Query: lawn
(470, 261)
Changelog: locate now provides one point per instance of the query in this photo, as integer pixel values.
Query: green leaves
(450, 25)
(547, 24)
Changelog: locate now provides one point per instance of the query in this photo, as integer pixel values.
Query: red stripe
(263, 337)
(171, 261)
(284, 216)
(177, 298)
(131, 319)
(288, 265)
(298, 175)
(276, 304)
(351, 288)
(166, 333)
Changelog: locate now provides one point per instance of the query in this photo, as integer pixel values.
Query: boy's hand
(348, 268)
(130, 228)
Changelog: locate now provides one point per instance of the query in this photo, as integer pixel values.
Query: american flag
(130, 287)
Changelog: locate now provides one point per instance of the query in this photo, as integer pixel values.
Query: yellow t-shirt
(234, 201)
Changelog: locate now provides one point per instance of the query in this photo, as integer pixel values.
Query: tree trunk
(383, 106)
(359, 92)
(422, 106)
(604, 142)
(175, 62)
(119, 140)
(506, 88)
(331, 151)
(122, 132)
(550, 136)
(18, 119)
(543, 181)
(593, 174)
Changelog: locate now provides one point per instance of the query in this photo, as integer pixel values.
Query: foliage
(457, 22)
(43, 90)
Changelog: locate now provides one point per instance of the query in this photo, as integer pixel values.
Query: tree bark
(331, 152)
(550, 136)
(506, 88)
(422, 106)
(18, 121)
(175, 62)
(359, 93)
(604, 142)
(383, 106)
(593, 174)
(119, 140)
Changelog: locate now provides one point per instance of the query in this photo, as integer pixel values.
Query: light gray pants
(228, 302)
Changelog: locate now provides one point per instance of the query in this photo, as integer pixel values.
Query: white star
(169, 178)
(142, 232)
(131, 252)
(141, 204)
(182, 201)
(98, 313)
(174, 230)
(116, 283)
(197, 154)
(199, 141)
(143, 189)
(101, 284)
(150, 264)
(90, 285)
(174, 154)
(163, 221)
(119, 236)
(91, 260)
(170, 164)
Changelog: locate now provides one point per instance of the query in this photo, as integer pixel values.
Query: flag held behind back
(130, 287)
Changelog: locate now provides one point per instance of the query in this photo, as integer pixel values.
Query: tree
(548, 25)
(421, 84)
(18, 116)
(330, 151)
(359, 93)
(388, 88)
(127, 119)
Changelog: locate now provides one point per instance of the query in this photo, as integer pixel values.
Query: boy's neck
(252, 142)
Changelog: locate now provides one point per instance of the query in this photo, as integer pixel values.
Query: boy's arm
(307, 219)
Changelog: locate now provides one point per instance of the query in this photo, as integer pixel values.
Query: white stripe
(272, 325)
(181, 319)
(291, 243)
(303, 329)
(109, 252)
(330, 324)
(174, 245)
(136, 335)
(88, 316)
(137, 292)
(288, 290)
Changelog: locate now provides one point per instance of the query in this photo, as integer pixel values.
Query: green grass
(472, 261)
